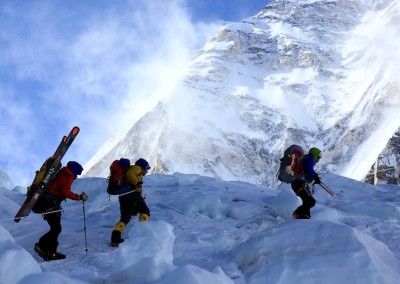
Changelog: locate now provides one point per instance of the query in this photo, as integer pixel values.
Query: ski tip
(75, 130)
(16, 220)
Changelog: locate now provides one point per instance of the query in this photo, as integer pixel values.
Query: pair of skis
(62, 148)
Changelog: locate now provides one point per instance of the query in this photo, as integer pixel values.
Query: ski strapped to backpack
(40, 174)
(291, 164)
(46, 175)
(116, 179)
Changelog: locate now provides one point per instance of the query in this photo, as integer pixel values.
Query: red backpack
(116, 179)
(291, 164)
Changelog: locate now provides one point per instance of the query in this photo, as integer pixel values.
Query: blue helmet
(143, 164)
(123, 163)
(75, 168)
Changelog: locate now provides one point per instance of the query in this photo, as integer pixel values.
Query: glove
(83, 196)
(317, 180)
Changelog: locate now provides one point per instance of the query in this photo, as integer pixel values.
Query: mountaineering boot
(116, 238)
(298, 216)
(46, 255)
(43, 253)
(116, 234)
(56, 256)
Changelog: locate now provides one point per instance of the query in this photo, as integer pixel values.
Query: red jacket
(61, 187)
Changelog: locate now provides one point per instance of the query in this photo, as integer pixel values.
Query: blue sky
(96, 64)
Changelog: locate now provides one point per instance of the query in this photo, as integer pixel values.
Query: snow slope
(5, 181)
(206, 230)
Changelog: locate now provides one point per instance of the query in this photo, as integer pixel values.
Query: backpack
(291, 164)
(116, 179)
(40, 174)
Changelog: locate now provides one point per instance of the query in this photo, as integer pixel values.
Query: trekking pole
(84, 225)
(327, 189)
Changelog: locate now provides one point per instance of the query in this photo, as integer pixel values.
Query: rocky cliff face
(386, 170)
(312, 73)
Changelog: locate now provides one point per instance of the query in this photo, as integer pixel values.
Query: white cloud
(99, 67)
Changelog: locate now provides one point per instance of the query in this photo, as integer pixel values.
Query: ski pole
(84, 224)
(329, 191)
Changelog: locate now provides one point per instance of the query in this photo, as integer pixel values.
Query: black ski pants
(299, 187)
(49, 241)
(132, 204)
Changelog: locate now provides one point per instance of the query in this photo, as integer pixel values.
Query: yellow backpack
(40, 174)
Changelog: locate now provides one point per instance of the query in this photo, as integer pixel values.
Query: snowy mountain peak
(314, 73)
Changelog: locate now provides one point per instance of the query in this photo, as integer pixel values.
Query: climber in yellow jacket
(131, 200)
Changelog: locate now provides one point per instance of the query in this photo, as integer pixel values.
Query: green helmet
(315, 153)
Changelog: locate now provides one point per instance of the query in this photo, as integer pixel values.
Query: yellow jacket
(134, 177)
